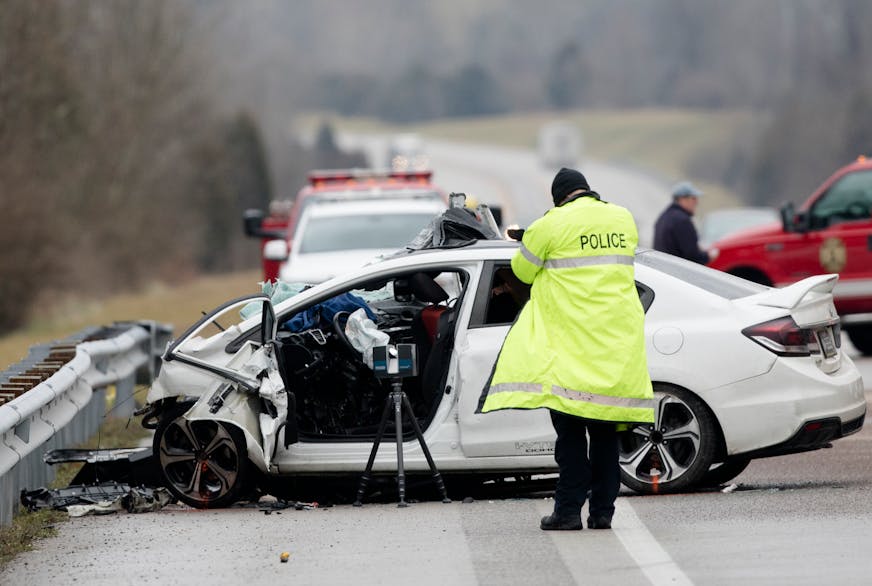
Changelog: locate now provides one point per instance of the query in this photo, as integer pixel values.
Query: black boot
(553, 522)
(599, 523)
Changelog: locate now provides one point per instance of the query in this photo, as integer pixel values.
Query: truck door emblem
(833, 255)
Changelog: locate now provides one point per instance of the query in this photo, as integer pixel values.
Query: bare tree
(38, 129)
(110, 151)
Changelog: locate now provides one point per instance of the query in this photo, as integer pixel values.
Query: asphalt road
(515, 179)
(799, 519)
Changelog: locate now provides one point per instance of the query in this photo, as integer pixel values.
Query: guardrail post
(124, 404)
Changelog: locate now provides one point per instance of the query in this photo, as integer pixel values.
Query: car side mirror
(252, 225)
(791, 221)
(276, 250)
(252, 222)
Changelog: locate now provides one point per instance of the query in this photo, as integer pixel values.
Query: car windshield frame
(706, 278)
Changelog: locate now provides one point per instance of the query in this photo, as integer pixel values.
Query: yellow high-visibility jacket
(578, 345)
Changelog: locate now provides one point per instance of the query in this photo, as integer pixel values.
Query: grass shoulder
(178, 305)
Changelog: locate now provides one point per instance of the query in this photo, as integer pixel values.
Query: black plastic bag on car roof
(456, 226)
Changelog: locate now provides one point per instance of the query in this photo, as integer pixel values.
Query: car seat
(425, 288)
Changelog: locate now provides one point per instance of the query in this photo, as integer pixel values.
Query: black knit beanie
(565, 182)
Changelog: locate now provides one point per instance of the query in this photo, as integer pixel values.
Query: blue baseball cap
(685, 189)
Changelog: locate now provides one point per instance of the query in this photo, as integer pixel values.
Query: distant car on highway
(406, 153)
(720, 223)
(334, 237)
(831, 232)
(740, 371)
(559, 144)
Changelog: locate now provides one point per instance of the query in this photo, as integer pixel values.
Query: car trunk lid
(810, 326)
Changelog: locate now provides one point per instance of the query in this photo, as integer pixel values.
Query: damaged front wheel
(203, 463)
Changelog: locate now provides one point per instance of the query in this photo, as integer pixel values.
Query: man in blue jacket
(674, 232)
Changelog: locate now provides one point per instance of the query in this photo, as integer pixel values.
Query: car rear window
(361, 232)
(717, 282)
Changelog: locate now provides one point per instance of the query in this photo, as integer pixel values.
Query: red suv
(830, 233)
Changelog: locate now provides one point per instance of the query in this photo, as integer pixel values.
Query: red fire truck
(283, 216)
(830, 233)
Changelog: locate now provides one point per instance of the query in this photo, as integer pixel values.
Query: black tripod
(399, 401)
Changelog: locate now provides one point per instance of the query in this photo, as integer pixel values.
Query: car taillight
(782, 336)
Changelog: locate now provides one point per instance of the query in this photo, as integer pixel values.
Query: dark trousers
(599, 472)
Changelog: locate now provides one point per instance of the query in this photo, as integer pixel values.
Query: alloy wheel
(674, 452)
(202, 462)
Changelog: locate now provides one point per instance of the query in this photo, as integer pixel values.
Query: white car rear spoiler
(789, 297)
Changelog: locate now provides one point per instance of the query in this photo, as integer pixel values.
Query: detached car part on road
(740, 371)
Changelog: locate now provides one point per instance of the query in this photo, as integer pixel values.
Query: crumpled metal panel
(100, 499)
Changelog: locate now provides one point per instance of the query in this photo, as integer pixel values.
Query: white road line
(651, 558)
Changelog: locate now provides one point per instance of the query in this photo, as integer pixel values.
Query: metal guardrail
(55, 398)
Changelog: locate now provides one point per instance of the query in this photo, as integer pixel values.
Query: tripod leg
(364, 479)
(437, 478)
(398, 397)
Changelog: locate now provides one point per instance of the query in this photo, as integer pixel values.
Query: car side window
(508, 294)
(849, 199)
(500, 296)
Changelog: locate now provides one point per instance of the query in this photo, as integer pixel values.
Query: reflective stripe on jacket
(578, 344)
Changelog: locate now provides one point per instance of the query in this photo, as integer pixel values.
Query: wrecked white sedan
(740, 370)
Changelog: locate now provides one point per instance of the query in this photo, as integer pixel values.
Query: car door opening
(337, 394)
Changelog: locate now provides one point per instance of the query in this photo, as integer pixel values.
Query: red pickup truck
(830, 233)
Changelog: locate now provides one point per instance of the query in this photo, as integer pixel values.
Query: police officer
(674, 232)
(577, 347)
